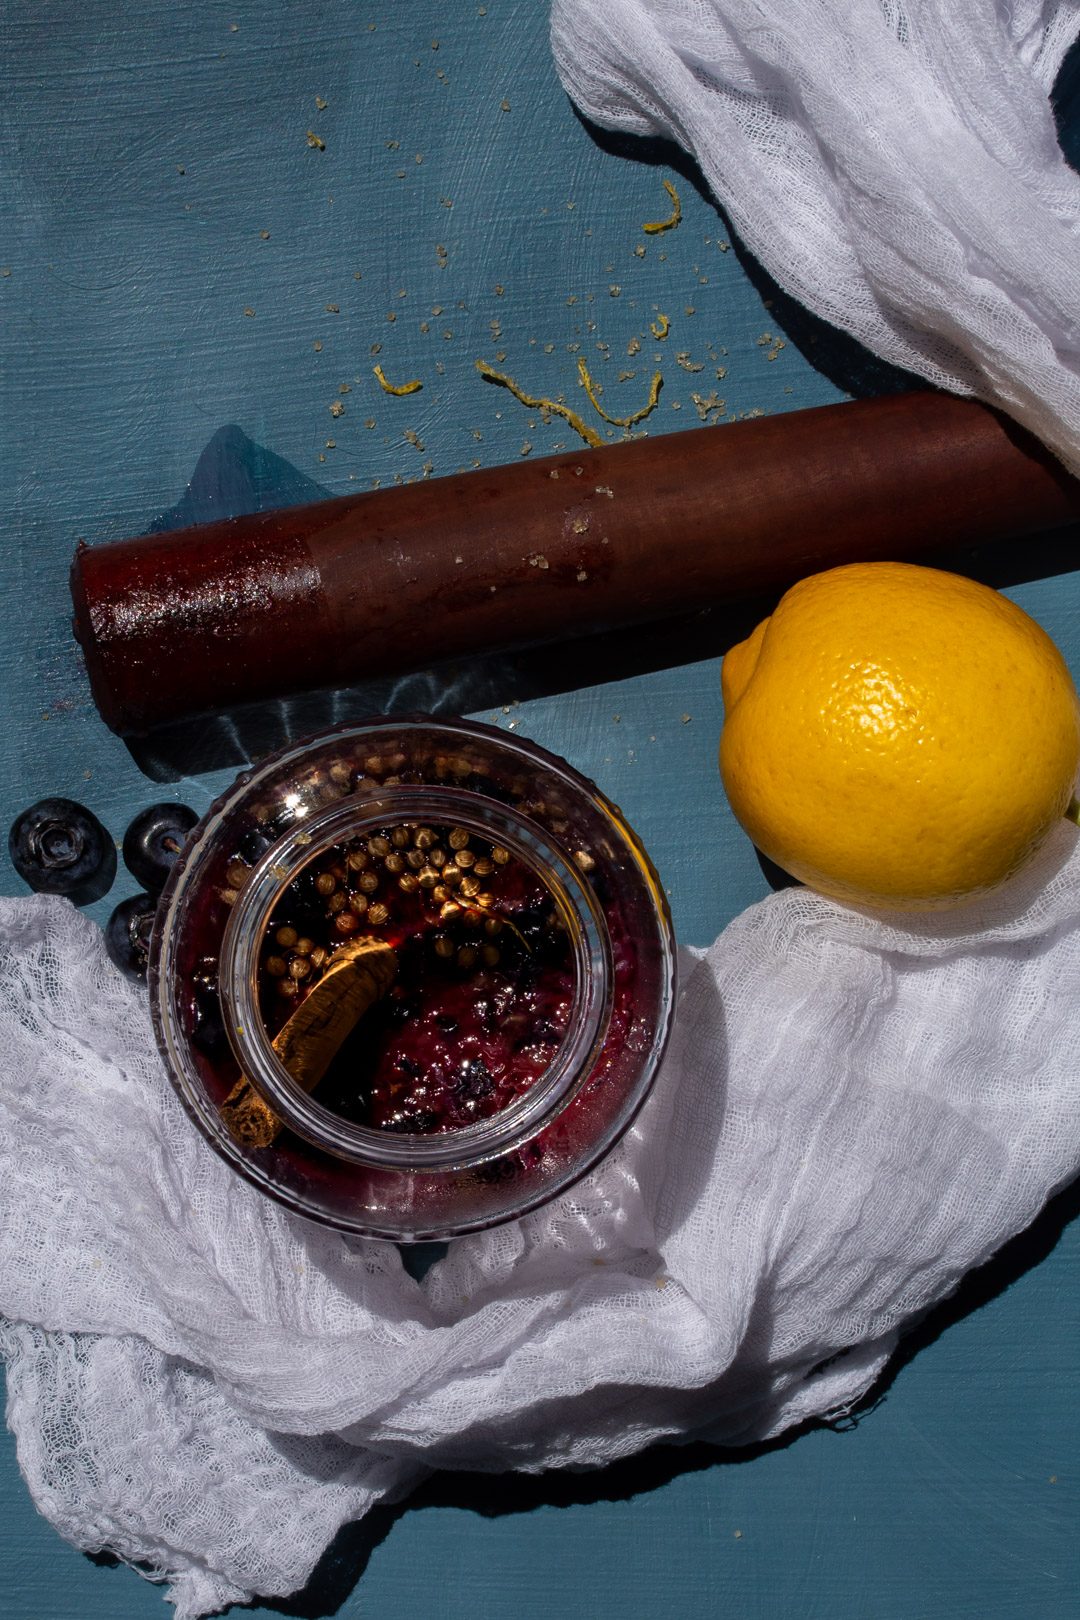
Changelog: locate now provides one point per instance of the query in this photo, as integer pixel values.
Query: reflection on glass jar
(413, 978)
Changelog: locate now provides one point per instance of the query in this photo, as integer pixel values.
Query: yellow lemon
(898, 737)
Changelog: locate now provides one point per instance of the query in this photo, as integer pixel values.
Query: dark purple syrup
(485, 983)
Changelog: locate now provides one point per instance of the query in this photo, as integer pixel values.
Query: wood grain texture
(144, 154)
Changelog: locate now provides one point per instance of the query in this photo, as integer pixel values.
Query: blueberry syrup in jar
(525, 987)
(485, 979)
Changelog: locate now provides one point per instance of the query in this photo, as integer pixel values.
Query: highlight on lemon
(898, 737)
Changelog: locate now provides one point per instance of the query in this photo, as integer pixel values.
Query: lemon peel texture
(898, 737)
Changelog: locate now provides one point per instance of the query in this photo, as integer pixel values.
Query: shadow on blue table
(494, 1495)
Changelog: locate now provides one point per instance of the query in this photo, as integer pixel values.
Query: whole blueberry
(255, 843)
(60, 847)
(127, 935)
(207, 1023)
(154, 840)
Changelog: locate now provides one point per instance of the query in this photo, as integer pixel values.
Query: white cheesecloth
(893, 164)
(852, 1114)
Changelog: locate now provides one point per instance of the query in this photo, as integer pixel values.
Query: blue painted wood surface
(193, 299)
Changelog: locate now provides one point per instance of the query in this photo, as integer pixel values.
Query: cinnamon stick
(359, 973)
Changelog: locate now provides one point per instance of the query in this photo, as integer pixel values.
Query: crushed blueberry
(504, 1169)
(419, 1124)
(475, 1079)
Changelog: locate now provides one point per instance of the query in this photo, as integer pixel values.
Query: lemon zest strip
(621, 421)
(589, 434)
(513, 929)
(412, 387)
(655, 226)
(660, 327)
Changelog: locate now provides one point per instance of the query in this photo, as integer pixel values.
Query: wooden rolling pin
(175, 625)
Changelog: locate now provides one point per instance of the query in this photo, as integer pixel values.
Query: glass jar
(524, 1010)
